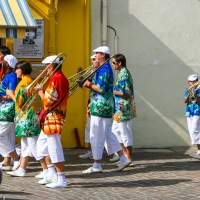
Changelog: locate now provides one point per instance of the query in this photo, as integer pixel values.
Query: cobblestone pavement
(156, 174)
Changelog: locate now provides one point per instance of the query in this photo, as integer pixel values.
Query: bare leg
(14, 155)
(129, 152)
(124, 149)
(60, 166)
(6, 160)
(24, 162)
(47, 160)
(43, 163)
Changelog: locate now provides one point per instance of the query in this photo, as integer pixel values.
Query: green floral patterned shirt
(102, 105)
(124, 107)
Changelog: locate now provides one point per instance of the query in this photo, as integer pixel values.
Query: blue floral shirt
(102, 105)
(7, 108)
(192, 107)
(124, 107)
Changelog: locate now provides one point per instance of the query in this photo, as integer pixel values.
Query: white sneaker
(47, 179)
(92, 170)
(40, 175)
(86, 156)
(123, 165)
(195, 156)
(16, 173)
(6, 167)
(57, 185)
(115, 158)
(16, 164)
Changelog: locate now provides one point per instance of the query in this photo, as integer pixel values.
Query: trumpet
(82, 77)
(41, 80)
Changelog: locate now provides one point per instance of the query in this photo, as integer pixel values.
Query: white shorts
(194, 129)
(123, 131)
(100, 135)
(50, 145)
(87, 131)
(29, 146)
(7, 138)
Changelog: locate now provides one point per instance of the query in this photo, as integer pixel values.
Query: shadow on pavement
(140, 183)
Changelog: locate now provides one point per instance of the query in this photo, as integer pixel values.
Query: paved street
(156, 174)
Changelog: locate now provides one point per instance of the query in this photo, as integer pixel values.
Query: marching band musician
(192, 111)
(55, 98)
(26, 122)
(7, 112)
(88, 155)
(101, 110)
(4, 50)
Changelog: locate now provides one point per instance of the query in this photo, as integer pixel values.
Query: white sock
(45, 171)
(61, 177)
(96, 165)
(51, 170)
(21, 170)
(123, 159)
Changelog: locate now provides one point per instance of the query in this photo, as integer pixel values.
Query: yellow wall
(72, 37)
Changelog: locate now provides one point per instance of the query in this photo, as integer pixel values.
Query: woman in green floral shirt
(27, 121)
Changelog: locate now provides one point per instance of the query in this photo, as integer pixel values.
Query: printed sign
(33, 45)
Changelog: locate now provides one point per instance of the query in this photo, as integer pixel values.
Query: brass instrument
(82, 77)
(77, 77)
(41, 80)
(191, 91)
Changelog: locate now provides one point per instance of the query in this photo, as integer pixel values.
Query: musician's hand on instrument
(11, 94)
(87, 84)
(39, 90)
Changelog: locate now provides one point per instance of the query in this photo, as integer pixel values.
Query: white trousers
(194, 129)
(29, 146)
(50, 144)
(100, 135)
(87, 131)
(123, 131)
(7, 138)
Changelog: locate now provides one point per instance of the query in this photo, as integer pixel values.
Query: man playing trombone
(55, 98)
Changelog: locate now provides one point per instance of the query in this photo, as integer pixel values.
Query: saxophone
(192, 90)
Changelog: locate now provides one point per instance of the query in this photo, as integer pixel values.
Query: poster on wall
(33, 45)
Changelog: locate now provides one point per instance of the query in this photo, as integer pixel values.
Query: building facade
(160, 41)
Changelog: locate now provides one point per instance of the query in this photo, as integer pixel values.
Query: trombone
(43, 78)
(89, 72)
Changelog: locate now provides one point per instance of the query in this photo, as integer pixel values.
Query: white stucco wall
(160, 39)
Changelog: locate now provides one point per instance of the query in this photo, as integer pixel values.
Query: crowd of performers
(37, 117)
